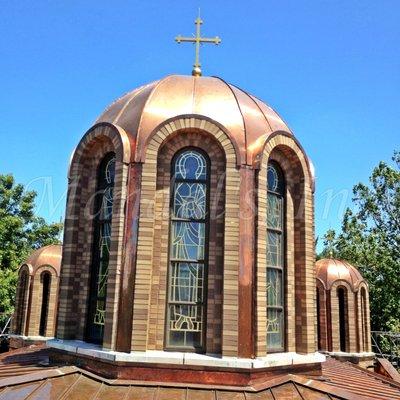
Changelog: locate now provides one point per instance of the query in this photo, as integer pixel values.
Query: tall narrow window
(101, 249)
(341, 294)
(46, 279)
(23, 292)
(364, 326)
(319, 317)
(275, 259)
(188, 253)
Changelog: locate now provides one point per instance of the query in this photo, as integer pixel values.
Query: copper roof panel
(141, 393)
(225, 395)
(171, 394)
(214, 99)
(264, 395)
(286, 392)
(54, 388)
(108, 392)
(131, 113)
(309, 394)
(19, 392)
(172, 96)
(196, 394)
(254, 120)
(112, 111)
(83, 389)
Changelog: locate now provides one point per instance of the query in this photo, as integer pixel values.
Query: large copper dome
(247, 120)
(330, 270)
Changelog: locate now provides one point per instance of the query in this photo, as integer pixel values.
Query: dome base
(177, 367)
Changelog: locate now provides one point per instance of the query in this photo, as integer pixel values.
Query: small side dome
(47, 255)
(330, 270)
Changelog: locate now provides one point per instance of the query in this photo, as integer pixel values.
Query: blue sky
(330, 68)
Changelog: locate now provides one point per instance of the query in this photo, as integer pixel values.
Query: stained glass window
(188, 251)
(101, 248)
(275, 259)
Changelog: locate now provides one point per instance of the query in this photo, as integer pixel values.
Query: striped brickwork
(77, 249)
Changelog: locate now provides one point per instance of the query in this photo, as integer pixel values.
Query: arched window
(275, 259)
(101, 249)
(319, 317)
(188, 253)
(45, 280)
(364, 321)
(342, 300)
(22, 296)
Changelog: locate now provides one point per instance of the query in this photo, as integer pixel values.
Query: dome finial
(198, 40)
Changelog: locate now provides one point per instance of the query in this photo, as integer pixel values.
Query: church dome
(247, 120)
(47, 255)
(330, 270)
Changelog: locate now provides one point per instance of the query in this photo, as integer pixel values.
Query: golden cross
(197, 40)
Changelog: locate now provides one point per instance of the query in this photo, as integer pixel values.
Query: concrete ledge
(189, 359)
(33, 338)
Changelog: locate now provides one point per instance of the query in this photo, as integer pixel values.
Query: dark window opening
(318, 321)
(23, 289)
(342, 319)
(364, 321)
(46, 280)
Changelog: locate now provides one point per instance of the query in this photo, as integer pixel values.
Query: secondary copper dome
(247, 120)
(47, 255)
(330, 270)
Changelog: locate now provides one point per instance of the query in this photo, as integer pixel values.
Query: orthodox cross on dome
(198, 40)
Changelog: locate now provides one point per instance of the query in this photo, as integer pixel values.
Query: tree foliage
(370, 239)
(21, 232)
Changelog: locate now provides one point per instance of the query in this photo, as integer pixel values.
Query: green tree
(370, 239)
(21, 232)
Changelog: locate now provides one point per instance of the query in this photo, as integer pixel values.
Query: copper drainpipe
(125, 309)
(246, 263)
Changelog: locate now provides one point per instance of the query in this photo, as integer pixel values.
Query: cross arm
(180, 39)
(215, 40)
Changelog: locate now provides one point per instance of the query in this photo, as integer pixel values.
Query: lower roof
(26, 373)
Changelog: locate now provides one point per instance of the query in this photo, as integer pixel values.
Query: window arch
(45, 279)
(275, 258)
(188, 252)
(101, 249)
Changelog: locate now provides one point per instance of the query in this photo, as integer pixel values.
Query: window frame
(96, 258)
(45, 302)
(283, 269)
(205, 261)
